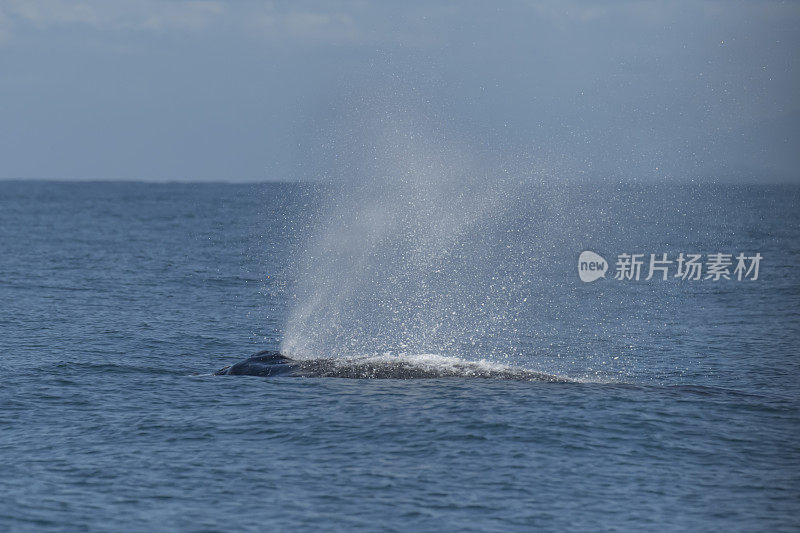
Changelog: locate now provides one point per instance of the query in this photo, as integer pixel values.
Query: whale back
(270, 363)
(264, 364)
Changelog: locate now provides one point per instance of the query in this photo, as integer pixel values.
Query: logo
(685, 266)
(591, 266)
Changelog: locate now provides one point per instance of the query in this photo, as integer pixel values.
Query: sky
(206, 90)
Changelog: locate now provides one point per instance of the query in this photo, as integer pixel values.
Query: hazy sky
(248, 90)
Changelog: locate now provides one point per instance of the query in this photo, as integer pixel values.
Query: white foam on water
(408, 366)
(430, 361)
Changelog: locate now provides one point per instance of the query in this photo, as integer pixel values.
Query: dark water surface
(120, 300)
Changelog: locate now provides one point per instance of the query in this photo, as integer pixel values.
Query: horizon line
(576, 180)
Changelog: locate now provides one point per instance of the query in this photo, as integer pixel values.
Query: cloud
(145, 15)
(416, 25)
(660, 12)
(347, 22)
(5, 28)
(307, 26)
(314, 23)
(317, 24)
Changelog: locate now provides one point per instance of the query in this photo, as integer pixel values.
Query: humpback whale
(270, 363)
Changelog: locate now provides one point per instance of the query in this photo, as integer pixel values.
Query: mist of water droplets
(410, 254)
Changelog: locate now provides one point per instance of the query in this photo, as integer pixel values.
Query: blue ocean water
(119, 300)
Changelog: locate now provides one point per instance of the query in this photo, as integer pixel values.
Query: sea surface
(118, 301)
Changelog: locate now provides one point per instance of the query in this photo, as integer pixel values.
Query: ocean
(677, 407)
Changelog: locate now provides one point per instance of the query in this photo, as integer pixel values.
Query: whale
(271, 363)
(263, 364)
